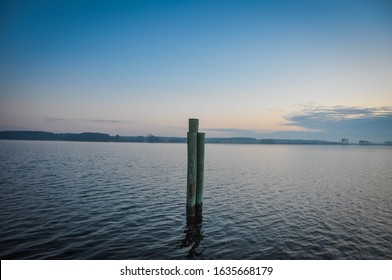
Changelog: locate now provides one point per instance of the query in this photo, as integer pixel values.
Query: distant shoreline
(102, 137)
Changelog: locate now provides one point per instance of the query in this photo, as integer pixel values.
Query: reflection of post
(192, 168)
(200, 173)
(192, 239)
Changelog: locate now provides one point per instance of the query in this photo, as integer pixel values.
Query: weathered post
(200, 174)
(192, 169)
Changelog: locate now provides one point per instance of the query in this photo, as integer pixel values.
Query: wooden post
(192, 169)
(200, 173)
(193, 125)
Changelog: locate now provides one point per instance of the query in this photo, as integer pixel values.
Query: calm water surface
(70, 200)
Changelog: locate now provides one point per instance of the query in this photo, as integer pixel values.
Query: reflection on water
(193, 235)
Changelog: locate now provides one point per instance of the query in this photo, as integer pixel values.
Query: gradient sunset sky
(264, 69)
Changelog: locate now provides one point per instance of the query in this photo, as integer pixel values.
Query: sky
(265, 69)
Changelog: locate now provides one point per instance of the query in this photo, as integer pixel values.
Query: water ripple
(65, 200)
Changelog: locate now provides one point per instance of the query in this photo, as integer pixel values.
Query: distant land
(102, 137)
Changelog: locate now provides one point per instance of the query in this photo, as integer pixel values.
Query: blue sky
(284, 69)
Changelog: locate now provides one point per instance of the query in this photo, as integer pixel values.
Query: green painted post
(200, 173)
(193, 125)
(192, 169)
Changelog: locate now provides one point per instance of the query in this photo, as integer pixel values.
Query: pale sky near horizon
(264, 69)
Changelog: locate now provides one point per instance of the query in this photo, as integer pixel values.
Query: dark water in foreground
(69, 200)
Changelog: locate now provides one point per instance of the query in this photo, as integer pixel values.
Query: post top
(193, 125)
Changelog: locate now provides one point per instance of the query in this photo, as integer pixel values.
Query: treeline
(246, 140)
(85, 136)
(102, 137)
(49, 136)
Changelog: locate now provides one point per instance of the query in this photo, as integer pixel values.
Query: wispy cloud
(106, 121)
(356, 122)
(50, 119)
(55, 120)
(230, 130)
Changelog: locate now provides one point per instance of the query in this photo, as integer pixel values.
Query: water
(70, 200)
